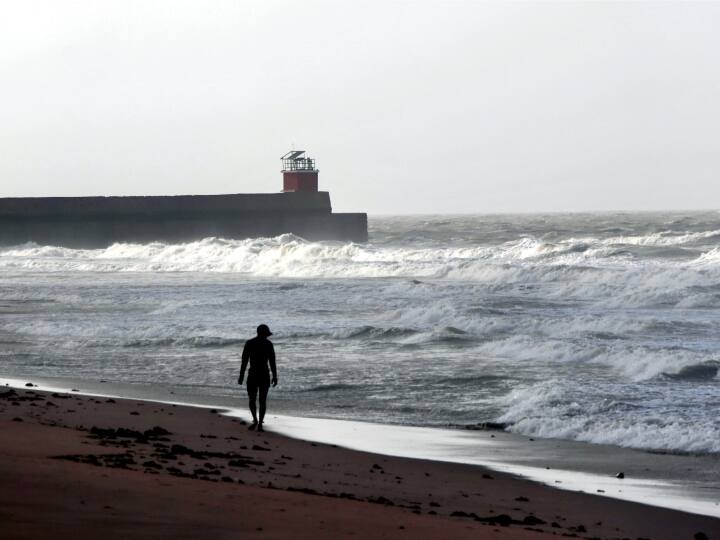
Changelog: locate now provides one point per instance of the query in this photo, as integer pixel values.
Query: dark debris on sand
(213, 458)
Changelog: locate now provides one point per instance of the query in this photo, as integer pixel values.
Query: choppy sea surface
(603, 328)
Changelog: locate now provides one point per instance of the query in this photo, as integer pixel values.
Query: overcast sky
(408, 107)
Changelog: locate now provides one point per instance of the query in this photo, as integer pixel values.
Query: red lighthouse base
(300, 180)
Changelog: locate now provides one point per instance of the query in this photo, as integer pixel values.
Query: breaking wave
(554, 410)
(703, 371)
(373, 332)
(587, 268)
(601, 329)
(195, 341)
(291, 256)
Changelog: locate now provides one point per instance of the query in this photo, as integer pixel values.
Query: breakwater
(91, 222)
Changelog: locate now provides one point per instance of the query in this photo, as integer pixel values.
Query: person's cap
(263, 330)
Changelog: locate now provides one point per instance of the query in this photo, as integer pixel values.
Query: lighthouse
(299, 172)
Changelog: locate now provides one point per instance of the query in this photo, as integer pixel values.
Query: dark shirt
(259, 351)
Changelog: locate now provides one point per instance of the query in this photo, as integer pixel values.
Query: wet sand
(74, 466)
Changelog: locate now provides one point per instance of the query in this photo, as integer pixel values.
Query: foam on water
(597, 328)
(290, 256)
(554, 409)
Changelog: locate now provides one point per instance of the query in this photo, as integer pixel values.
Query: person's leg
(263, 400)
(252, 391)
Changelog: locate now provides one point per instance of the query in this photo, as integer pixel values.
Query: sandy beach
(76, 466)
(425, 270)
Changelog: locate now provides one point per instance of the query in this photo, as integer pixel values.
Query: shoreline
(156, 469)
(416, 443)
(200, 476)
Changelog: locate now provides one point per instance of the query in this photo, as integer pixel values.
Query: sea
(602, 328)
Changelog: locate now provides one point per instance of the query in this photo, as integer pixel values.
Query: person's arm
(272, 364)
(243, 366)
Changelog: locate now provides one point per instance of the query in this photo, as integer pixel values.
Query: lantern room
(299, 172)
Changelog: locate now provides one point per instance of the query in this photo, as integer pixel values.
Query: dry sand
(203, 475)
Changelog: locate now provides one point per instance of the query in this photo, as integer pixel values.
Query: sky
(408, 107)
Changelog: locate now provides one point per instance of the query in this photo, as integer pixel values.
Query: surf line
(436, 444)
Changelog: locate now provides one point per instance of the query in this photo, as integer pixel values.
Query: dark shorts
(257, 383)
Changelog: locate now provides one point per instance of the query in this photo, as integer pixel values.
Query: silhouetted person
(259, 351)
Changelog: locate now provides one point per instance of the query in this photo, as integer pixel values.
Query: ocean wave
(331, 387)
(621, 318)
(642, 363)
(629, 361)
(709, 258)
(191, 341)
(554, 410)
(471, 380)
(665, 238)
(662, 435)
(372, 332)
(703, 371)
(566, 269)
(405, 336)
(289, 255)
(448, 335)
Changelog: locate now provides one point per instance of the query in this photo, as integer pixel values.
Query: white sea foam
(621, 320)
(551, 410)
(289, 256)
(663, 238)
(563, 270)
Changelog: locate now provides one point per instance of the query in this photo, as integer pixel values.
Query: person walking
(259, 352)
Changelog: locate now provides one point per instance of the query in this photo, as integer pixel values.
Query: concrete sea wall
(88, 222)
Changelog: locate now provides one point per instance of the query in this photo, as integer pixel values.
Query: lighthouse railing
(299, 164)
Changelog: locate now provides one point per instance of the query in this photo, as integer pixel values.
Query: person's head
(263, 331)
